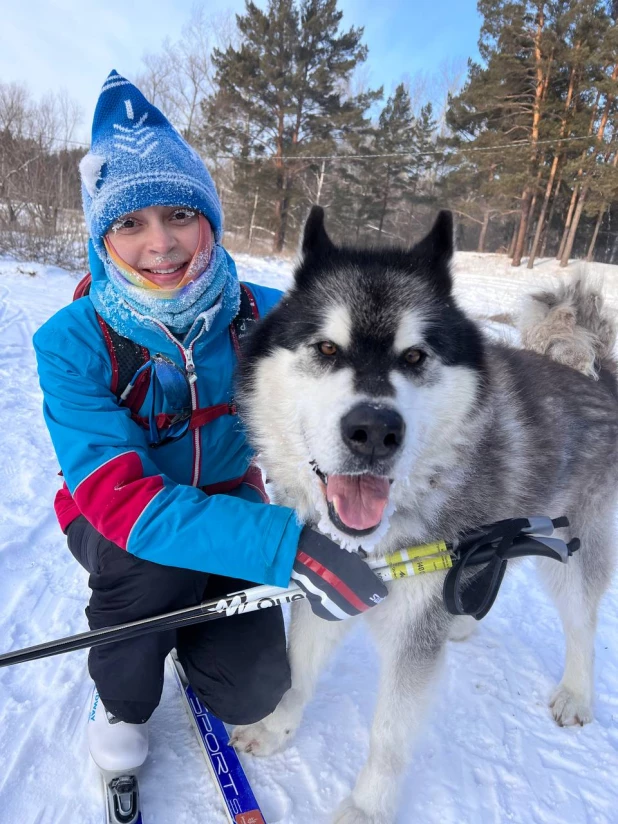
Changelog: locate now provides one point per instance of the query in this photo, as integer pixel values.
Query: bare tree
(436, 87)
(180, 75)
(40, 214)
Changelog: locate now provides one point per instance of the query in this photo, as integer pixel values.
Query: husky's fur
(490, 432)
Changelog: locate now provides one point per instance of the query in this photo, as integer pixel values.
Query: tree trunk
(567, 222)
(280, 202)
(542, 83)
(523, 226)
(595, 234)
(602, 211)
(568, 246)
(567, 225)
(483, 235)
(384, 202)
(552, 209)
(320, 182)
(252, 225)
(552, 173)
(512, 243)
(281, 214)
(529, 232)
(614, 251)
(541, 220)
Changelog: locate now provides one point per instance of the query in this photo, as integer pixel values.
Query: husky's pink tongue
(359, 500)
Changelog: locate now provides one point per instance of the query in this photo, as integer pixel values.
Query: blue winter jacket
(149, 501)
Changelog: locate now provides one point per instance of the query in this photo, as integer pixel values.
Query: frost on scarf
(119, 302)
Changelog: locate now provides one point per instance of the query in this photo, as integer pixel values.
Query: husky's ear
(436, 250)
(315, 239)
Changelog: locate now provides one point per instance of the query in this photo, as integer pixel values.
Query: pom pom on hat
(137, 159)
(90, 170)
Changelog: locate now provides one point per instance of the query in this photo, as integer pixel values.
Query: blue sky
(71, 44)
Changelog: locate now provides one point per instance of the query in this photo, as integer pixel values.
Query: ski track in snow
(490, 752)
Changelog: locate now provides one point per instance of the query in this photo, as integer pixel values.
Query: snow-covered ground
(490, 752)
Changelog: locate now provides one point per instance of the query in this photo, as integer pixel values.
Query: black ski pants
(237, 666)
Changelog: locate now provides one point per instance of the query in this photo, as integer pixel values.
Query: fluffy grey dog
(383, 415)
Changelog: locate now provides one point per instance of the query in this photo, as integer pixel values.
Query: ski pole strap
(473, 592)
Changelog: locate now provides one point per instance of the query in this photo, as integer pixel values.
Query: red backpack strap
(252, 477)
(248, 313)
(126, 357)
(83, 287)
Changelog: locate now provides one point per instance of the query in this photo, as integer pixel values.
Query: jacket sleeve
(118, 488)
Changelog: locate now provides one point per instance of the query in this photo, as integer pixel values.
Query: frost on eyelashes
(90, 170)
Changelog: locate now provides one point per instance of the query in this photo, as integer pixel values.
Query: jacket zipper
(197, 448)
(187, 356)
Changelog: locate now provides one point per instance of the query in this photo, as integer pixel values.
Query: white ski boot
(119, 750)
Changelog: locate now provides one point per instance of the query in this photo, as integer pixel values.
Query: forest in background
(522, 145)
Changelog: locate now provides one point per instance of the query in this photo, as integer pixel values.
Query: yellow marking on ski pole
(417, 560)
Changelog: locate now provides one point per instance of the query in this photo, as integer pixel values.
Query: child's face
(158, 242)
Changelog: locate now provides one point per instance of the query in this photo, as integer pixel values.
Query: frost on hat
(137, 159)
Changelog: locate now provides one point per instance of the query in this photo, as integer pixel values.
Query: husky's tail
(571, 325)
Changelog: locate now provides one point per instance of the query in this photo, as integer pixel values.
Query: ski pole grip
(540, 525)
(540, 546)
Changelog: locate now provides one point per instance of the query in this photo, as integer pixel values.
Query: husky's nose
(373, 430)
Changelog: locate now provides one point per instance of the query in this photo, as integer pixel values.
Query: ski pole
(401, 564)
(249, 600)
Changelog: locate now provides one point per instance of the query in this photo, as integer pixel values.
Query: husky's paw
(262, 738)
(569, 709)
(272, 733)
(349, 813)
(462, 628)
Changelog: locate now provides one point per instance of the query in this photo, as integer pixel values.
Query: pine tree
(520, 123)
(395, 144)
(594, 165)
(281, 90)
(486, 120)
(348, 189)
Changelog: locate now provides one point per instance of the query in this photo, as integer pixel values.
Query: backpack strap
(247, 315)
(126, 357)
(83, 287)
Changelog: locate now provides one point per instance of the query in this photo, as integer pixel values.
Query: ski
(227, 772)
(122, 800)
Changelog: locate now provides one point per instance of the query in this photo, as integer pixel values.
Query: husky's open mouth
(356, 503)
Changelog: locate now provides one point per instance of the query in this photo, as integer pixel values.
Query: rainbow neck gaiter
(210, 280)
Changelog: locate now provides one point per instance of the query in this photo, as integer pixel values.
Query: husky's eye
(414, 356)
(326, 348)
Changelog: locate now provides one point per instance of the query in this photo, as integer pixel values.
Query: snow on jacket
(149, 501)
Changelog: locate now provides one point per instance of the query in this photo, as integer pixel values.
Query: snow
(490, 752)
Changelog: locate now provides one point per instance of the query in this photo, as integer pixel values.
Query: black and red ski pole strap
(469, 590)
(337, 584)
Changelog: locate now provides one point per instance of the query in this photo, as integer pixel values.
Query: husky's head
(356, 386)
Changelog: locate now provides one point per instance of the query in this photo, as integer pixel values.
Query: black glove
(338, 583)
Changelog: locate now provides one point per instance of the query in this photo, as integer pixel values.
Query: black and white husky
(385, 418)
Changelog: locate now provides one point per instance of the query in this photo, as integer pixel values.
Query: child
(161, 503)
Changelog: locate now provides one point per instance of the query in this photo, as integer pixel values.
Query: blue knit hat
(137, 159)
